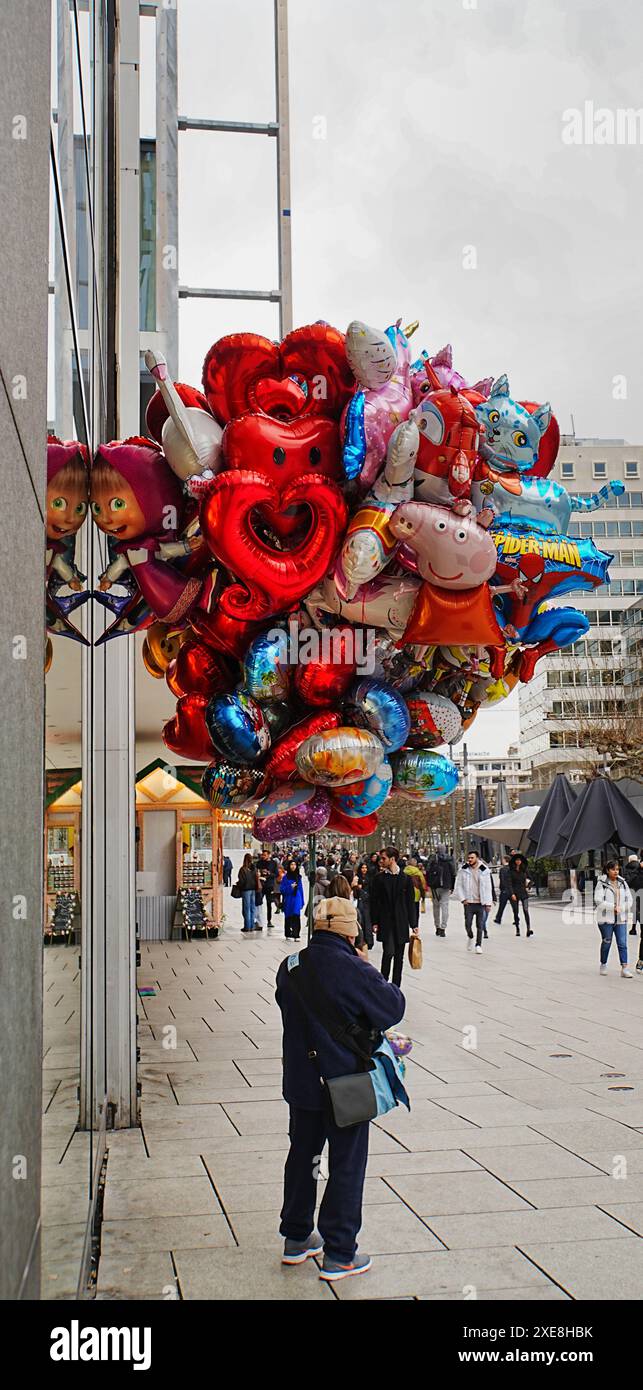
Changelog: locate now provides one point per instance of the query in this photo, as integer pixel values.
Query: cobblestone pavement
(518, 1174)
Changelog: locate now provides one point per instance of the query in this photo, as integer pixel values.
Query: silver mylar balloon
(266, 673)
(337, 757)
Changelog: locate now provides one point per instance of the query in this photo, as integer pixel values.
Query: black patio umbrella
(600, 816)
(503, 804)
(545, 830)
(480, 812)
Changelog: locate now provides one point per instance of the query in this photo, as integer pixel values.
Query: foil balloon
(270, 577)
(351, 825)
(160, 647)
(278, 716)
(280, 764)
(367, 796)
(173, 684)
(422, 775)
(186, 734)
(237, 727)
(452, 550)
(434, 720)
(369, 544)
(327, 664)
(200, 669)
(226, 785)
(549, 443)
(189, 435)
(382, 709)
(385, 602)
(465, 616)
(512, 433)
(266, 673)
(221, 630)
(540, 504)
(66, 504)
(241, 368)
(339, 756)
(290, 811)
(381, 362)
(449, 459)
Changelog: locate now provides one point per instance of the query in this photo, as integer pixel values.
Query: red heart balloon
(271, 580)
(316, 354)
(549, 445)
(283, 450)
(324, 681)
(223, 632)
(280, 764)
(202, 671)
(352, 825)
(186, 734)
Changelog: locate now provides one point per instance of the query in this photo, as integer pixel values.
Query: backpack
(433, 875)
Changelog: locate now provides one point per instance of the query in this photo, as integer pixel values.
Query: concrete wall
(24, 214)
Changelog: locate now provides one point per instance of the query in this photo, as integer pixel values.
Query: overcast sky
(443, 130)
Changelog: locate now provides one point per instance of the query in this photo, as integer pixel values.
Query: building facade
(486, 771)
(577, 694)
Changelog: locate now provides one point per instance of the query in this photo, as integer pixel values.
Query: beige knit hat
(338, 915)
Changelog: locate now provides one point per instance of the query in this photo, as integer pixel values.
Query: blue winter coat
(292, 890)
(361, 994)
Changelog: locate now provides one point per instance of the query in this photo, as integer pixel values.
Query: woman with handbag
(335, 1007)
(392, 912)
(247, 886)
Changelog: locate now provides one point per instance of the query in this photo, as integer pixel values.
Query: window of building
(587, 528)
(631, 468)
(639, 586)
(616, 587)
(628, 586)
(553, 678)
(605, 648)
(599, 528)
(636, 498)
(567, 678)
(626, 557)
(624, 528)
(567, 470)
(604, 618)
(611, 528)
(556, 740)
(599, 470)
(637, 528)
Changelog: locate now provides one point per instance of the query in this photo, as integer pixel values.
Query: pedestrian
(267, 869)
(520, 891)
(473, 889)
(227, 871)
(440, 877)
(504, 886)
(367, 1004)
(392, 912)
(613, 900)
(362, 895)
(634, 880)
(292, 890)
(320, 886)
(249, 886)
(418, 880)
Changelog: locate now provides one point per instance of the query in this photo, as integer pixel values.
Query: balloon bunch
(338, 554)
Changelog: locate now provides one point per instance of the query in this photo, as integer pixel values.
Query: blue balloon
(422, 775)
(382, 709)
(237, 727)
(565, 564)
(365, 797)
(266, 673)
(224, 784)
(541, 504)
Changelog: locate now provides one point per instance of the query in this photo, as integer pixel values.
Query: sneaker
(478, 950)
(639, 965)
(296, 1251)
(530, 933)
(633, 931)
(331, 1270)
(603, 970)
(626, 973)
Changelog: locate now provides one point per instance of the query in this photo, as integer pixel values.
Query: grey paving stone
(576, 1192)
(163, 1196)
(431, 1194)
(394, 1230)
(611, 1160)
(630, 1213)
(532, 1161)
(433, 1161)
(143, 1276)
(151, 1232)
(474, 1232)
(592, 1269)
(444, 1272)
(238, 1274)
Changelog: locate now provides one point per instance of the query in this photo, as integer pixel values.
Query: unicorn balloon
(381, 364)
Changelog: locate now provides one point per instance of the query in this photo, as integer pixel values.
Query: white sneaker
(626, 973)
(469, 944)
(478, 950)
(603, 970)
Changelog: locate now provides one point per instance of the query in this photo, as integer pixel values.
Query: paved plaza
(517, 1175)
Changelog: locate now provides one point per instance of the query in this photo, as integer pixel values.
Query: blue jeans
(248, 908)
(608, 930)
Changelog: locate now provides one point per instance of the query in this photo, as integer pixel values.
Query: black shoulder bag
(350, 1100)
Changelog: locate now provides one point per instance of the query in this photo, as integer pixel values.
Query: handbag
(236, 891)
(415, 953)
(376, 1087)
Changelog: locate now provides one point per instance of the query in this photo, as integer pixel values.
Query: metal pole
(453, 819)
(465, 769)
(312, 870)
(283, 166)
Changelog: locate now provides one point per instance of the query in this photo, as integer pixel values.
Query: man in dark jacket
(360, 995)
(440, 876)
(505, 889)
(520, 891)
(634, 880)
(392, 912)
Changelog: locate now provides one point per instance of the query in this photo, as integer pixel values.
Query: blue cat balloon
(512, 434)
(539, 503)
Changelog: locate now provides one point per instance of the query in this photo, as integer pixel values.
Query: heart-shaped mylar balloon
(187, 734)
(325, 678)
(271, 579)
(200, 670)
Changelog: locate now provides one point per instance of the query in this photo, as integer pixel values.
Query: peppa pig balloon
(452, 551)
